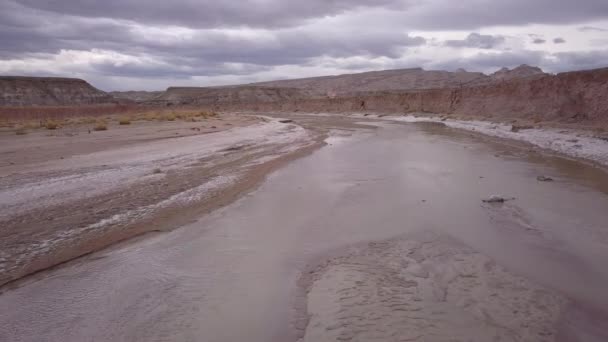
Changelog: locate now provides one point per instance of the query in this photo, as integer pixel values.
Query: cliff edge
(17, 91)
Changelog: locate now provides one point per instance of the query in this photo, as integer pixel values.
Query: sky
(150, 44)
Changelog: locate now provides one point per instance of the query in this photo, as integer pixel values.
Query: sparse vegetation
(88, 120)
(157, 171)
(101, 126)
(51, 125)
(52, 118)
(21, 131)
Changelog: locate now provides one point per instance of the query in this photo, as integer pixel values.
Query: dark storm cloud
(26, 31)
(473, 14)
(182, 38)
(476, 40)
(209, 13)
(215, 53)
(428, 14)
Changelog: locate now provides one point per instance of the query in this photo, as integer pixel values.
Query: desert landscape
(291, 184)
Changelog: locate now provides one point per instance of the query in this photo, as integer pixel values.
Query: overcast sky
(150, 44)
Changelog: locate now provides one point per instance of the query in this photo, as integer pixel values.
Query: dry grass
(87, 120)
(52, 125)
(101, 126)
(53, 118)
(21, 131)
(124, 121)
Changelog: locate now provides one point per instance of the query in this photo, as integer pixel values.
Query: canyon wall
(210, 96)
(580, 96)
(49, 91)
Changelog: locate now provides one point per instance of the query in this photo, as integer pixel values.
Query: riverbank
(64, 196)
(570, 141)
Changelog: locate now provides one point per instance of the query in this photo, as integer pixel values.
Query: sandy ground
(68, 193)
(381, 235)
(426, 287)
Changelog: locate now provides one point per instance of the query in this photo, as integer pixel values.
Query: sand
(426, 287)
(53, 209)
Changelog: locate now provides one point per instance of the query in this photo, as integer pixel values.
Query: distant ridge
(18, 91)
(385, 80)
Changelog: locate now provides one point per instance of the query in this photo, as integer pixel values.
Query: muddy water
(231, 276)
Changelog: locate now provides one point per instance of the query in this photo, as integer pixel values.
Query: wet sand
(278, 264)
(159, 176)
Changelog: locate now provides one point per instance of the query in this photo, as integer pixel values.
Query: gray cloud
(176, 40)
(199, 52)
(592, 29)
(493, 61)
(427, 14)
(559, 40)
(476, 40)
(473, 14)
(209, 13)
(568, 61)
(556, 62)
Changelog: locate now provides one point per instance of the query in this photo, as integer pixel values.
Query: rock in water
(495, 199)
(517, 128)
(544, 179)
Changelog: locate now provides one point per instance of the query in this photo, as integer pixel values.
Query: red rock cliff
(580, 96)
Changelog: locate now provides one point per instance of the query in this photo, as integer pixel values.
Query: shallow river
(232, 275)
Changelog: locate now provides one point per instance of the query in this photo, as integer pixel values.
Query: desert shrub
(170, 117)
(88, 120)
(51, 125)
(124, 121)
(157, 171)
(21, 131)
(152, 116)
(30, 125)
(101, 126)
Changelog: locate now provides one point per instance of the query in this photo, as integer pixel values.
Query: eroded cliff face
(220, 96)
(46, 91)
(568, 97)
(385, 80)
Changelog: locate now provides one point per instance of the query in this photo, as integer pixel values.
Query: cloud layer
(143, 44)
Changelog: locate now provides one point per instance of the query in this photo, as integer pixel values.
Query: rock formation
(522, 71)
(576, 97)
(387, 80)
(49, 91)
(212, 96)
(136, 96)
